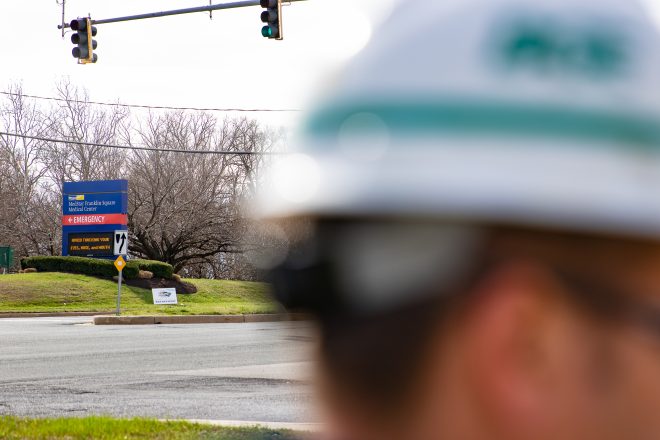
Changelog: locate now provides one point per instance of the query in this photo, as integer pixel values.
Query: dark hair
(377, 359)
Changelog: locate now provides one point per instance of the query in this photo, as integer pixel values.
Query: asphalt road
(242, 372)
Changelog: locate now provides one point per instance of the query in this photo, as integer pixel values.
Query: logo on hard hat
(548, 47)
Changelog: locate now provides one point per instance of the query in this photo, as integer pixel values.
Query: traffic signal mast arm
(85, 30)
(233, 5)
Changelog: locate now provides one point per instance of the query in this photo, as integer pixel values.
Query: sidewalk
(48, 314)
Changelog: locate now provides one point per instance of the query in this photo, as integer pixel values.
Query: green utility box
(6, 258)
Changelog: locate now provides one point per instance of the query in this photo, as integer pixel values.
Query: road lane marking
(298, 371)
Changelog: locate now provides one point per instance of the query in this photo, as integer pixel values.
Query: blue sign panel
(103, 203)
(90, 211)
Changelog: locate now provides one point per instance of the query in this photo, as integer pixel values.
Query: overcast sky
(189, 60)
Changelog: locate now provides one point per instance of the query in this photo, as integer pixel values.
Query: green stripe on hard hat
(471, 118)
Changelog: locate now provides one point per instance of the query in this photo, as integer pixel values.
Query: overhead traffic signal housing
(82, 38)
(272, 16)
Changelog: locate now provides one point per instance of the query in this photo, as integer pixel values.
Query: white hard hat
(532, 112)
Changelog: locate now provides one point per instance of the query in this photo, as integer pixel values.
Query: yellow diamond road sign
(120, 263)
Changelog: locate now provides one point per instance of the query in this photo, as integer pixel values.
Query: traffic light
(272, 16)
(85, 45)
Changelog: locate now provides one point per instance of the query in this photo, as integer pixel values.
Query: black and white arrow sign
(121, 242)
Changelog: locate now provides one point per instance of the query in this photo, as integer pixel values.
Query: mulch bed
(182, 288)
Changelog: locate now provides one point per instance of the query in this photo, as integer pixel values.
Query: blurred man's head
(482, 249)
(551, 335)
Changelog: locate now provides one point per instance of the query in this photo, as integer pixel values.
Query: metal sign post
(119, 295)
(119, 264)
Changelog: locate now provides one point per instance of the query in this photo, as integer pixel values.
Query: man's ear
(513, 342)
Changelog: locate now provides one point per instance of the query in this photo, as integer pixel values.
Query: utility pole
(63, 4)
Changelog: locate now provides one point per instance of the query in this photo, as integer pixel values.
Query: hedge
(81, 265)
(158, 268)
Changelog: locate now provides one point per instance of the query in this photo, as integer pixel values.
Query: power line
(130, 147)
(156, 107)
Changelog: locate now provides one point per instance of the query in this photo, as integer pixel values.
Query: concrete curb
(196, 319)
(299, 427)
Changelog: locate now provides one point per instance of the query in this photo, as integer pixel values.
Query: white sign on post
(121, 242)
(164, 296)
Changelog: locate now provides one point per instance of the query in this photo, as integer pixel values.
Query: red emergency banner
(94, 219)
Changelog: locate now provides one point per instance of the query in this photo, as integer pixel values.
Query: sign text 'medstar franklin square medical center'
(90, 212)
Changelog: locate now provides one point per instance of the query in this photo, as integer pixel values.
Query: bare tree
(27, 209)
(184, 208)
(77, 120)
(8, 198)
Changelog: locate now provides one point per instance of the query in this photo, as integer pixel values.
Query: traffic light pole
(232, 5)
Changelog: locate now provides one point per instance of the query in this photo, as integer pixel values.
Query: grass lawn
(104, 428)
(61, 292)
